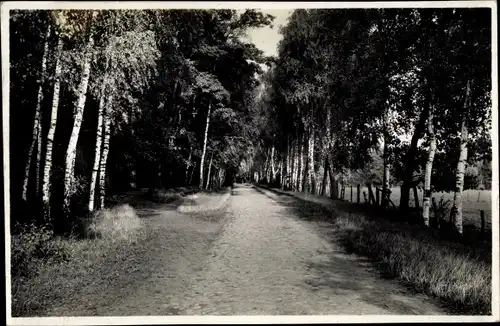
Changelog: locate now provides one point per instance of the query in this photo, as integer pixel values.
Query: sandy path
(269, 262)
(256, 257)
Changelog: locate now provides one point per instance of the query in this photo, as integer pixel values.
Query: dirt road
(260, 258)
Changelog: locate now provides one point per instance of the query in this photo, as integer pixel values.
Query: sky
(267, 38)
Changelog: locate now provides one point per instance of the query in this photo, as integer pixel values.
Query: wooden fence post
(483, 226)
(358, 194)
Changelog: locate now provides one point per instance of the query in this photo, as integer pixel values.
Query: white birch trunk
(428, 167)
(462, 160)
(105, 152)
(273, 169)
(37, 126)
(78, 117)
(47, 168)
(310, 163)
(301, 166)
(202, 161)
(209, 170)
(295, 164)
(97, 157)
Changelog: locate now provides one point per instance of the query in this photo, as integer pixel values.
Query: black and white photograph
(250, 162)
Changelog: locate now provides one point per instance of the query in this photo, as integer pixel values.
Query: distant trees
(348, 83)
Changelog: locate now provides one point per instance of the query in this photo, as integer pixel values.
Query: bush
(32, 246)
(166, 196)
(119, 222)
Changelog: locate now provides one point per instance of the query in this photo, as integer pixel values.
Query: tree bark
(386, 176)
(293, 179)
(202, 161)
(409, 160)
(97, 157)
(78, 117)
(47, 168)
(105, 152)
(192, 172)
(325, 176)
(37, 125)
(428, 167)
(462, 161)
(273, 168)
(310, 164)
(301, 164)
(209, 169)
(188, 164)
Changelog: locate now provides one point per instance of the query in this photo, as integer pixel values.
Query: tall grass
(119, 222)
(446, 270)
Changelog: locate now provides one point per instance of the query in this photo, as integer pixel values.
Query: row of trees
(350, 82)
(118, 99)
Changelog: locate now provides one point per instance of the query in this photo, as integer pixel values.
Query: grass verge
(47, 270)
(445, 270)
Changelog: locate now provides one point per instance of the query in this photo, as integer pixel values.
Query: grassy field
(473, 202)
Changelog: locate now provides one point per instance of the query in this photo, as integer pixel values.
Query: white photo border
(150, 320)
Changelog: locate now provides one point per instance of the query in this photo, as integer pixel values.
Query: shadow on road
(368, 280)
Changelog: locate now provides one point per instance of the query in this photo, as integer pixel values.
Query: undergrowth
(44, 264)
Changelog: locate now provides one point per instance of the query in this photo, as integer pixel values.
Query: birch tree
(47, 169)
(78, 114)
(428, 165)
(37, 127)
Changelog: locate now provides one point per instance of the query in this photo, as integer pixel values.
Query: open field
(473, 202)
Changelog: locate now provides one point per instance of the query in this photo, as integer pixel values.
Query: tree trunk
(50, 135)
(78, 117)
(202, 161)
(273, 169)
(281, 173)
(209, 169)
(462, 161)
(188, 165)
(310, 163)
(192, 172)
(333, 182)
(325, 176)
(409, 160)
(105, 152)
(330, 144)
(293, 167)
(301, 164)
(37, 126)
(428, 168)
(386, 176)
(97, 157)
